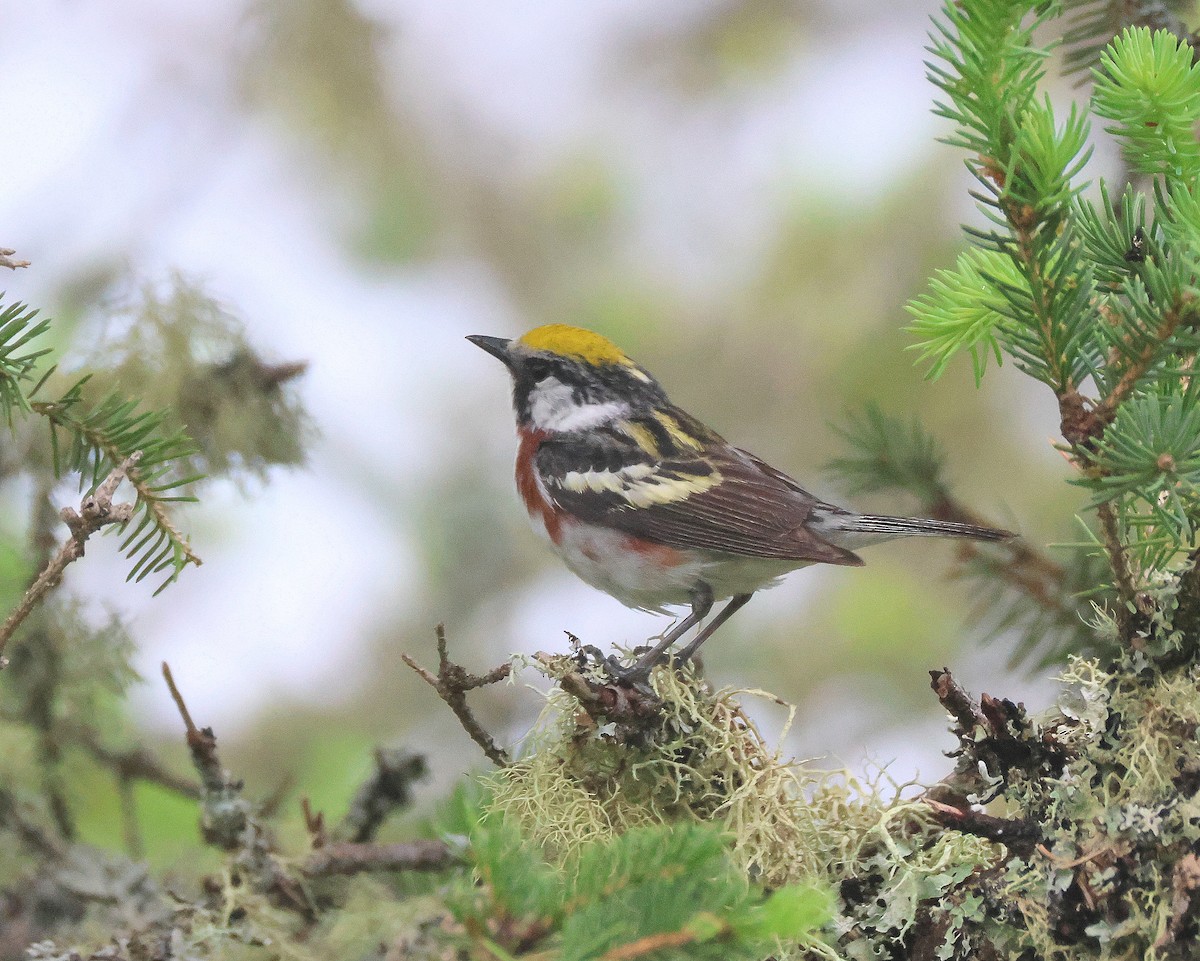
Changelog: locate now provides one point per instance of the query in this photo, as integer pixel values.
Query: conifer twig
(229, 821)
(451, 683)
(134, 763)
(96, 511)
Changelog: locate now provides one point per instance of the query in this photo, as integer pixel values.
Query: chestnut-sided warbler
(644, 502)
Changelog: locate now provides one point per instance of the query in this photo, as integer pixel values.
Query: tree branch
(95, 511)
(352, 858)
(1018, 835)
(135, 763)
(451, 683)
(1119, 561)
(389, 787)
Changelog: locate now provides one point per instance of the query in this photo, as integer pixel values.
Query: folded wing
(727, 500)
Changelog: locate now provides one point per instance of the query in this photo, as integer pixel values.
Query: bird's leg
(702, 602)
(735, 604)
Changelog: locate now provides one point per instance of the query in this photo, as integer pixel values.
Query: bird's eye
(537, 369)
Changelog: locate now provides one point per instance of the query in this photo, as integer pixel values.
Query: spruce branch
(1135, 370)
(95, 511)
(1119, 561)
(452, 682)
(1092, 24)
(1022, 586)
(1148, 86)
(105, 435)
(17, 363)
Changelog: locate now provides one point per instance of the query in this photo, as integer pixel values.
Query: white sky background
(122, 134)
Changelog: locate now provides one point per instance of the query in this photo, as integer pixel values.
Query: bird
(644, 502)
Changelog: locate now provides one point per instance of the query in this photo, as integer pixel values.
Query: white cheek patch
(553, 408)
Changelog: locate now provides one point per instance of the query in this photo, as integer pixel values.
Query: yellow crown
(568, 341)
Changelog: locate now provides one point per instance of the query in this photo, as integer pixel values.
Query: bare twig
(957, 702)
(995, 733)
(269, 806)
(314, 823)
(96, 511)
(228, 820)
(131, 764)
(349, 858)
(31, 835)
(451, 683)
(7, 261)
(130, 825)
(225, 814)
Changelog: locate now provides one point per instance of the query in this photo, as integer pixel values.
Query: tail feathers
(884, 526)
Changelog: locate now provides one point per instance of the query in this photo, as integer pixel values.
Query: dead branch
(956, 701)
(131, 764)
(451, 683)
(228, 820)
(314, 824)
(96, 511)
(1185, 882)
(389, 787)
(225, 814)
(351, 858)
(1018, 835)
(30, 834)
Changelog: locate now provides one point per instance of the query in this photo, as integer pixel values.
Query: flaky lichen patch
(699, 757)
(1111, 879)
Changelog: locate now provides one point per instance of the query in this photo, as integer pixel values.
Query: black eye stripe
(607, 383)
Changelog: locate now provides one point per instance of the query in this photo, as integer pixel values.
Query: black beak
(496, 346)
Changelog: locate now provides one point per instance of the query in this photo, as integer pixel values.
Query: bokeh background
(742, 194)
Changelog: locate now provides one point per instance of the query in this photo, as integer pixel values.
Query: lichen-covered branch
(388, 788)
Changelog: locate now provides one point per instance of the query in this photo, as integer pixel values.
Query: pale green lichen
(703, 759)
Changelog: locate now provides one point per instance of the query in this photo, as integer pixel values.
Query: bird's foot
(636, 675)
